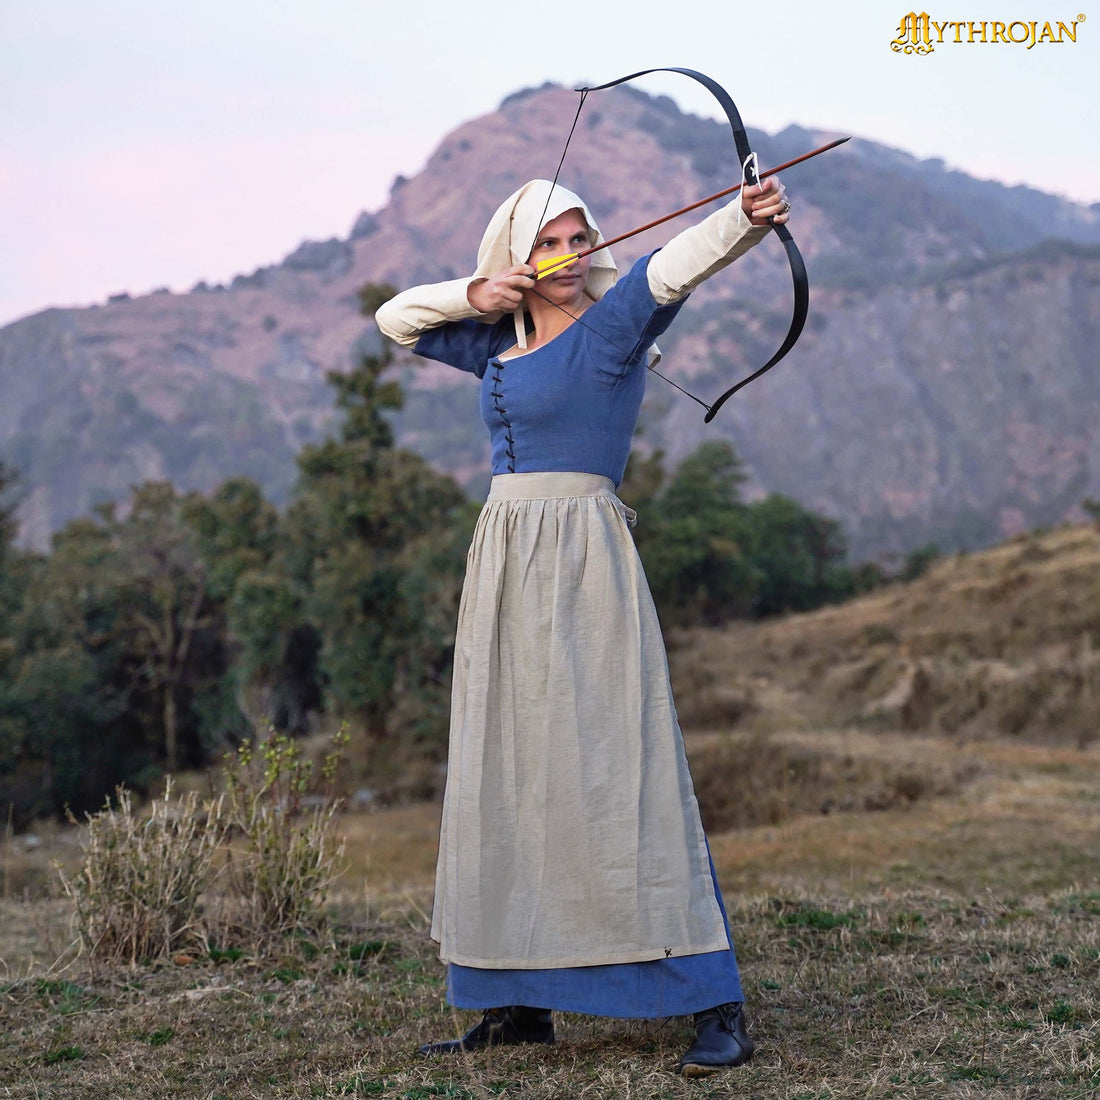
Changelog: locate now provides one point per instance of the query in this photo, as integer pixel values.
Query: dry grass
(744, 779)
(1028, 822)
(950, 948)
(915, 995)
(1005, 643)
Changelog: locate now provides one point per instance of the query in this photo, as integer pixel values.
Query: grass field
(904, 810)
(946, 948)
(917, 995)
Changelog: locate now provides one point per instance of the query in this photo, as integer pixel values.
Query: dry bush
(284, 855)
(151, 885)
(137, 891)
(717, 706)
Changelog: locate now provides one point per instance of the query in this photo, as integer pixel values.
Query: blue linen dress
(572, 405)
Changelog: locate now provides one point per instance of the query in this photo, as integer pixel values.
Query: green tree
(166, 606)
(9, 488)
(111, 652)
(798, 557)
(918, 562)
(236, 530)
(644, 477)
(13, 564)
(276, 650)
(65, 685)
(378, 540)
(711, 557)
(692, 537)
(273, 675)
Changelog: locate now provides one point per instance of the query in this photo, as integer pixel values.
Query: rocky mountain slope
(944, 388)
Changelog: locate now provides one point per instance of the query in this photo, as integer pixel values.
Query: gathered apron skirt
(570, 834)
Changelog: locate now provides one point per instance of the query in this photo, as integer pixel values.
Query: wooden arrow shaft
(562, 261)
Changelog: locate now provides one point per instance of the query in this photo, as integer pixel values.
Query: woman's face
(567, 233)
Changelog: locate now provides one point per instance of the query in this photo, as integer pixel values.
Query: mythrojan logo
(917, 33)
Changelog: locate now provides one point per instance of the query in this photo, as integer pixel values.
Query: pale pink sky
(146, 145)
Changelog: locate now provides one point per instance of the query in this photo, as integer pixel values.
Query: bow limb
(747, 159)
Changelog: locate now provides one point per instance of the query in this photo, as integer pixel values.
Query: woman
(573, 871)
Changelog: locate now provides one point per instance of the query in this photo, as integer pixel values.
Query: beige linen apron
(571, 834)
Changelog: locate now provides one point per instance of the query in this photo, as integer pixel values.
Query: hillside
(1004, 643)
(944, 390)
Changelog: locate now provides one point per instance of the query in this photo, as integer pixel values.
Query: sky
(147, 144)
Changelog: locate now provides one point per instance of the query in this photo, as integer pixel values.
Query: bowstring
(546, 206)
(557, 171)
(607, 339)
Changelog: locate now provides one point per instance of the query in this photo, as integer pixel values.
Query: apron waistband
(557, 486)
(546, 485)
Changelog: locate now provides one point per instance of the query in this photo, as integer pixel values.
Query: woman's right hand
(502, 293)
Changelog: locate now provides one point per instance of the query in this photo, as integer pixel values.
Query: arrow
(548, 267)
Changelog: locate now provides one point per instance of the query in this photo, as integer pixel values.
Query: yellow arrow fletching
(555, 263)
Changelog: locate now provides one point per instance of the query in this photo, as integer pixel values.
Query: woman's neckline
(516, 352)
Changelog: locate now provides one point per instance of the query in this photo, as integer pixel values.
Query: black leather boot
(721, 1040)
(500, 1026)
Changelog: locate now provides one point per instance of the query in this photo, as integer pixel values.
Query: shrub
(151, 885)
(137, 892)
(284, 855)
(919, 561)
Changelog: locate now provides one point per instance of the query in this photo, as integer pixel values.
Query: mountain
(944, 390)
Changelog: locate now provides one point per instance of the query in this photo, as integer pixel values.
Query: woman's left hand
(766, 200)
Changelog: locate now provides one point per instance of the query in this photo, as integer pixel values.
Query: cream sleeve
(698, 252)
(412, 312)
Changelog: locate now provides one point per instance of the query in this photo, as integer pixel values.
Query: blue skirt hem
(645, 990)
